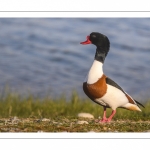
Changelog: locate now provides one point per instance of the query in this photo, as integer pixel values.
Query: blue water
(43, 56)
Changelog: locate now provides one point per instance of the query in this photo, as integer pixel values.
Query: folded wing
(113, 83)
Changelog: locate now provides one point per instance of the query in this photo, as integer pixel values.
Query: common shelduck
(100, 88)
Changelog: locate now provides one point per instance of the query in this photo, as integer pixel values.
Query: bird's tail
(139, 103)
(132, 107)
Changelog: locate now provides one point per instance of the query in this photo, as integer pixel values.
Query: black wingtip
(139, 104)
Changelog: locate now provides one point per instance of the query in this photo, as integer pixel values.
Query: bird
(100, 88)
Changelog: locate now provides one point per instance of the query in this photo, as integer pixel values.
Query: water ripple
(43, 55)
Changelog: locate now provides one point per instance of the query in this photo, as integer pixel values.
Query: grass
(61, 115)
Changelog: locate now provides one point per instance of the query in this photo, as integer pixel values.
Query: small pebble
(105, 128)
(54, 122)
(45, 119)
(15, 120)
(40, 131)
(99, 117)
(12, 120)
(147, 131)
(91, 131)
(82, 122)
(85, 115)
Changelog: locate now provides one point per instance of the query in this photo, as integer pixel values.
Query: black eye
(94, 36)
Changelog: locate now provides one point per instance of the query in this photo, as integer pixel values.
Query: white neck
(96, 71)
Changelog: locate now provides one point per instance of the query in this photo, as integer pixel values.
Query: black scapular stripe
(113, 83)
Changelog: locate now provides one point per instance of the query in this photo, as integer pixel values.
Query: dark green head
(101, 42)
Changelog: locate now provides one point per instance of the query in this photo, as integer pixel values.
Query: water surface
(43, 55)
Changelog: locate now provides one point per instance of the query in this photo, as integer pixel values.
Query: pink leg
(104, 119)
(111, 116)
